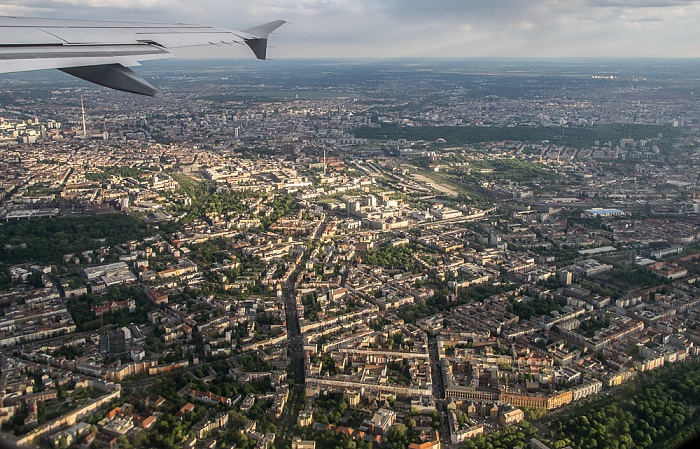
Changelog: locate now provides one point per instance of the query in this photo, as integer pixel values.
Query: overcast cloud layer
(419, 28)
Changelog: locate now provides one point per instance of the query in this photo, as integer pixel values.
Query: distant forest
(464, 135)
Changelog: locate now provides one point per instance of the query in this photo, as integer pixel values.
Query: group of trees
(327, 364)
(465, 135)
(438, 303)
(659, 410)
(507, 438)
(229, 388)
(637, 277)
(251, 363)
(624, 277)
(281, 205)
(46, 240)
(5, 277)
(85, 319)
(311, 307)
(170, 431)
(206, 200)
(224, 202)
(210, 252)
(398, 341)
(393, 257)
(232, 435)
(589, 327)
(268, 318)
(399, 373)
(536, 307)
(330, 408)
(69, 352)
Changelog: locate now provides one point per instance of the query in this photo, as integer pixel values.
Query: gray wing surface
(102, 52)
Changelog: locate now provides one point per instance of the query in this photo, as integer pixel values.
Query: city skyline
(358, 29)
(384, 254)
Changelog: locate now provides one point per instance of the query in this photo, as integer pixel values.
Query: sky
(420, 28)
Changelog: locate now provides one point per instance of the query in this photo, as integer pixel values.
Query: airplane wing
(102, 52)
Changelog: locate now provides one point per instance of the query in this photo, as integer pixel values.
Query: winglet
(258, 41)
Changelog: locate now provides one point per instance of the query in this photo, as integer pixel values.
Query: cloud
(391, 28)
(642, 3)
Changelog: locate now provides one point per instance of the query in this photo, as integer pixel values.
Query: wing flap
(25, 58)
(191, 39)
(27, 36)
(114, 36)
(165, 37)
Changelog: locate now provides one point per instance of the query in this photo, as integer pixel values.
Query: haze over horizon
(412, 28)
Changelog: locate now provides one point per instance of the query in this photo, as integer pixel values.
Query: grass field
(188, 184)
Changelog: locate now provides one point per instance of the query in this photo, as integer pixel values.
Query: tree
(123, 442)
(397, 436)
(140, 439)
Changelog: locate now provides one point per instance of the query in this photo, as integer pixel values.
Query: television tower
(82, 108)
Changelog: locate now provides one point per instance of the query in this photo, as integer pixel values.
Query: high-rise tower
(82, 108)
